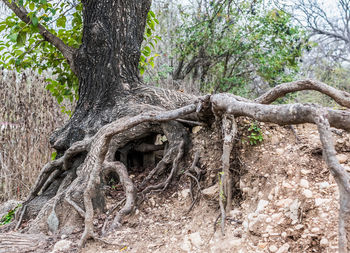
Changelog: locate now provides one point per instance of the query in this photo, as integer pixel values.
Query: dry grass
(28, 115)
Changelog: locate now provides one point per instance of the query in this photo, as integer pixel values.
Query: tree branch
(66, 50)
(341, 97)
(290, 114)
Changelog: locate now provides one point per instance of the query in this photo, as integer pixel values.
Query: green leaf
(21, 39)
(31, 6)
(13, 37)
(61, 21)
(35, 21)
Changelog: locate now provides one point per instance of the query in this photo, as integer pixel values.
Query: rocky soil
(285, 201)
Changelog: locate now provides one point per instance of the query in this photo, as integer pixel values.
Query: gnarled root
(129, 189)
(177, 137)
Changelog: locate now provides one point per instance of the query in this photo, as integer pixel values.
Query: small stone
(286, 185)
(185, 193)
(186, 245)
(299, 226)
(320, 202)
(324, 242)
(284, 248)
(342, 158)
(196, 129)
(284, 202)
(273, 248)
(284, 234)
(307, 193)
(305, 172)
(235, 213)
(152, 201)
(196, 239)
(324, 185)
(262, 245)
(279, 151)
(315, 230)
(304, 183)
(261, 205)
(277, 217)
(62, 246)
(211, 192)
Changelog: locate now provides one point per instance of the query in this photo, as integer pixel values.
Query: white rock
(304, 183)
(320, 202)
(152, 201)
(284, 248)
(186, 245)
(286, 185)
(62, 246)
(212, 191)
(273, 248)
(284, 234)
(305, 172)
(324, 242)
(299, 226)
(324, 185)
(196, 239)
(185, 193)
(235, 242)
(279, 151)
(315, 230)
(307, 193)
(284, 202)
(294, 210)
(235, 213)
(276, 217)
(261, 205)
(342, 158)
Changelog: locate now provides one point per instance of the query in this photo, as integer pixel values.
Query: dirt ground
(285, 201)
(289, 202)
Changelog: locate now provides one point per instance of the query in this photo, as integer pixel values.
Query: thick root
(129, 189)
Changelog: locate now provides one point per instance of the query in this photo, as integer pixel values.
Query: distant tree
(227, 45)
(328, 23)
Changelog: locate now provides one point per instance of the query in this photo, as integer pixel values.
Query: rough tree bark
(116, 111)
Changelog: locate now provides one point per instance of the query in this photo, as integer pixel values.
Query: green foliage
(53, 155)
(7, 218)
(160, 76)
(24, 47)
(150, 40)
(255, 134)
(234, 43)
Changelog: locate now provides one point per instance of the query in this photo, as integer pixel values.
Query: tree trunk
(106, 65)
(109, 89)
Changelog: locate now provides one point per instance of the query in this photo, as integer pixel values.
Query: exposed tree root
(79, 183)
(96, 157)
(174, 169)
(129, 189)
(229, 128)
(194, 173)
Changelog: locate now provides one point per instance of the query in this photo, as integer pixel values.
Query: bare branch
(341, 177)
(290, 114)
(341, 97)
